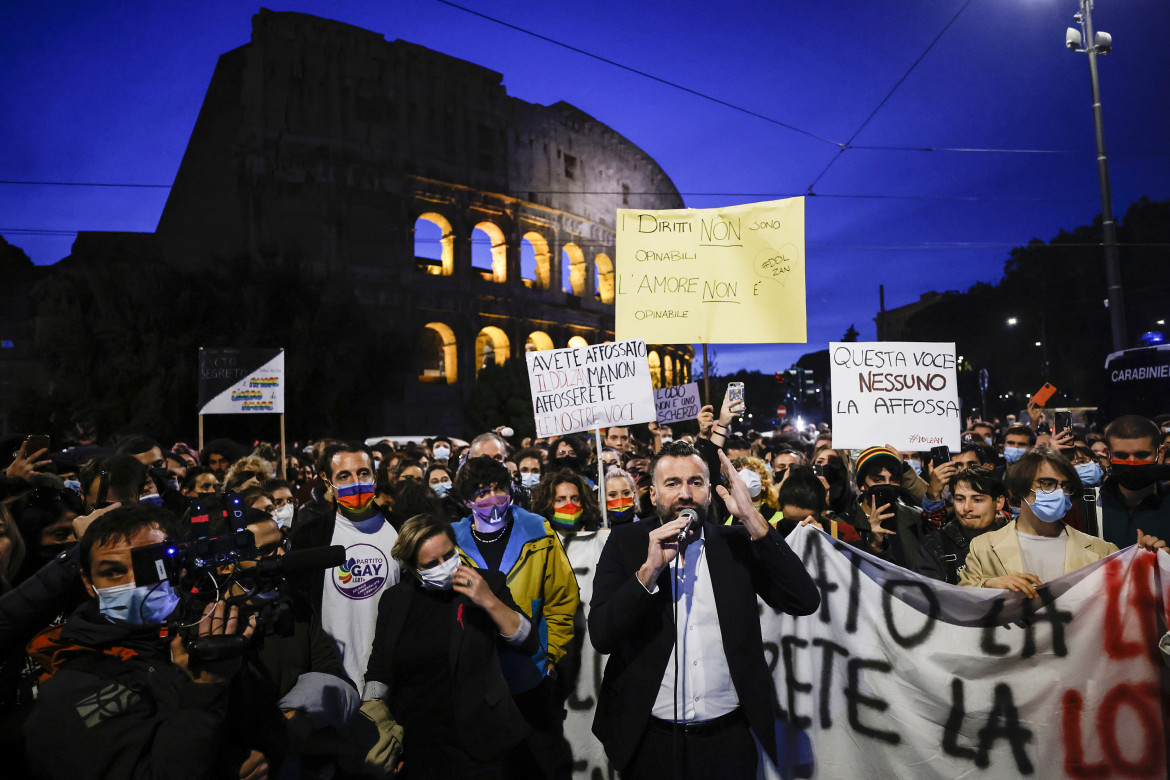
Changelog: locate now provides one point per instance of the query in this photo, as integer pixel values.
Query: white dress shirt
(705, 689)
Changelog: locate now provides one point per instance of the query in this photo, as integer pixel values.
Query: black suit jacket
(487, 722)
(636, 628)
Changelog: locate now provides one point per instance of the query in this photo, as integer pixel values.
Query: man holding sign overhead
(674, 604)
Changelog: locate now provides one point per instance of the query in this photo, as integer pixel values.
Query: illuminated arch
(604, 277)
(578, 341)
(573, 261)
(533, 244)
(655, 369)
(424, 243)
(491, 344)
(669, 376)
(496, 249)
(438, 359)
(538, 341)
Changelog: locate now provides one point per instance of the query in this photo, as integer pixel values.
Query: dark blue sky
(109, 93)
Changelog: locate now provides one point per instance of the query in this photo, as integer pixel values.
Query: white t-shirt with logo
(349, 600)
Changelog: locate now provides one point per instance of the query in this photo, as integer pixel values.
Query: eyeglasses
(1047, 484)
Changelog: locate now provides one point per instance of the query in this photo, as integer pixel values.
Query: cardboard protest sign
(901, 393)
(582, 388)
(241, 381)
(730, 275)
(677, 403)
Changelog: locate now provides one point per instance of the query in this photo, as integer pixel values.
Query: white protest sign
(897, 675)
(901, 393)
(581, 388)
(677, 403)
(241, 381)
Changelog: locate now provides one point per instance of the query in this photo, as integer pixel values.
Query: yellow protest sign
(730, 275)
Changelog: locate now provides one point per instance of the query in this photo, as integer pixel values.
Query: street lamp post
(1092, 44)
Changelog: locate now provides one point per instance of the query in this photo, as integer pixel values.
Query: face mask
(666, 440)
(152, 500)
(753, 482)
(441, 453)
(356, 498)
(530, 479)
(1050, 505)
(567, 462)
(440, 577)
(1015, 511)
(134, 605)
(491, 511)
(1137, 475)
(284, 515)
(173, 484)
(1090, 473)
(916, 465)
(988, 441)
(74, 485)
(567, 517)
(620, 510)
(442, 488)
(1012, 454)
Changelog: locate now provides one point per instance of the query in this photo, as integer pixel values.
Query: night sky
(109, 93)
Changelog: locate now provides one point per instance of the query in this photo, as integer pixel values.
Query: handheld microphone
(692, 517)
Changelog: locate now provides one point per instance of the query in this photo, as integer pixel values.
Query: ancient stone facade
(325, 142)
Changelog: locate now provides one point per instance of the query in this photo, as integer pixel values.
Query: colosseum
(482, 223)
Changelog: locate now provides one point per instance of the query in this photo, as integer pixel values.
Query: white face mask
(441, 453)
(442, 488)
(754, 484)
(284, 515)
(440, 577)
(529, 479)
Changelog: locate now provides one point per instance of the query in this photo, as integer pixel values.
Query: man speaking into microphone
(674, 605)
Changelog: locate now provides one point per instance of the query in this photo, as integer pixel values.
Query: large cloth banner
(241, 381)
(731, 275)
(902, 676)
(901, 393)
(581, 388)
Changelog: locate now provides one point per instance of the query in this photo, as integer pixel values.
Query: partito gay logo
(364, 572)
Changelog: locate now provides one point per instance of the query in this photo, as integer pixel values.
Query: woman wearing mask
(441, 484)
(759, 484)
(837, 478)
(621, 496)
(436, 651)
(567, 503)
(571, 452)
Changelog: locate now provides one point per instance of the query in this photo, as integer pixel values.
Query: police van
(1136, 381)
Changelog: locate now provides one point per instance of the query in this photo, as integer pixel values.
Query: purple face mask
(491, 510)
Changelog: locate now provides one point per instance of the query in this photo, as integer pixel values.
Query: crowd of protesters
(442, 645)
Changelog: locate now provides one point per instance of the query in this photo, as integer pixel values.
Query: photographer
(116, 700)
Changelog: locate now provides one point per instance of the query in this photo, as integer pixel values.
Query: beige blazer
(997, 553)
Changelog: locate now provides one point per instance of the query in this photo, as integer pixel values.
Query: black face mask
(1140, 475)
(567, 462)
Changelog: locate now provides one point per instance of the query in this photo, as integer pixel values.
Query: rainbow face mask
(620, 509)
(567, 516)
(355, 499)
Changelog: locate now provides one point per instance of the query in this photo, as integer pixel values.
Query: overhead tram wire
(889, 94)
(689, 194)
(642, 73)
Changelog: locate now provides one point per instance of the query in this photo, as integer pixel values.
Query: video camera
(227, 566)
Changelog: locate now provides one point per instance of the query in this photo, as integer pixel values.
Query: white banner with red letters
(902, 676)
